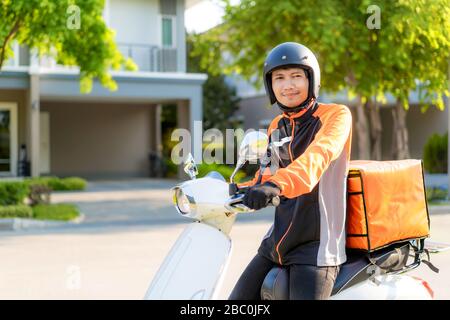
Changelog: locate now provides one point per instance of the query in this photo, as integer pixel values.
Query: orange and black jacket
(314, 149)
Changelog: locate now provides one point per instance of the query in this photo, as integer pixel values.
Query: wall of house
(255, 112)
(138, 28)
(99, 140)
(135, 21)
(420, 127)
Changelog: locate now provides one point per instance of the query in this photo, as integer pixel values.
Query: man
(314, 139)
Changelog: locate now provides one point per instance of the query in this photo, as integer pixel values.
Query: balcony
(149, 58)
(21, 57)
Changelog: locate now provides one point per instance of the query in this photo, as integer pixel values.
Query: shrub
(17, 211)
(435, 154)
(39, 181)
(62, 212)
(59, 184)
(171, 168)
(436, 194)
(223, 169)
(67, 184)
(39, 194)
(13, 193)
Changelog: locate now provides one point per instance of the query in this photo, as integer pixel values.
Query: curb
(16, 224)
(439, 209)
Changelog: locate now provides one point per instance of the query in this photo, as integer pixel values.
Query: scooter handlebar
(236, 205)
(235, 191)
(275, 201)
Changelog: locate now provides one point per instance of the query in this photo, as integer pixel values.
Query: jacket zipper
(292, 139)
(290, 224)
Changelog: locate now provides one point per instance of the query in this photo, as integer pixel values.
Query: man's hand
(260, 195)
(232, 189)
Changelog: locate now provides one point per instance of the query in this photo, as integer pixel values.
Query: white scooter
(197, 263)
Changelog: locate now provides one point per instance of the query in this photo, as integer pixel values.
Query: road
(116, 252)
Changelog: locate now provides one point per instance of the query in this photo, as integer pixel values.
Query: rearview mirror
(190, 167)
(253, 147)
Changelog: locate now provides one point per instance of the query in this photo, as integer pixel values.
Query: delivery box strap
(419, 250)
(375, 261)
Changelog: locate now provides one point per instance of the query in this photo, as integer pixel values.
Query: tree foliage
(73, 32)
(409, 51)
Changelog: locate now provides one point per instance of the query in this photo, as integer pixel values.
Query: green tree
(73, 32)
(408, 51)
(419, 32)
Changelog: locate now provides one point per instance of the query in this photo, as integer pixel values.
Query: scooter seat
(356, 269)
(276, 284)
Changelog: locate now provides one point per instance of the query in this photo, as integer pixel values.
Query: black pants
(306, 282)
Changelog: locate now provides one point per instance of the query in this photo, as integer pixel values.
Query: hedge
(13, 193)
(18, 211)
(59, 184)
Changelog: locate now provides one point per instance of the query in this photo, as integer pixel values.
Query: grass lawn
(439, 203)
(61, 212)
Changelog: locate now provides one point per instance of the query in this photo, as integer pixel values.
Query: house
(256, 112)
(102, 134)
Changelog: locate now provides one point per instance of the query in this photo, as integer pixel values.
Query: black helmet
(295, 55)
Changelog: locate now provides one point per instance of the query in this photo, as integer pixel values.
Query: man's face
(290, 86)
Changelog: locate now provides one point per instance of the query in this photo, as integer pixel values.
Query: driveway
(128, 229)
(136, 202)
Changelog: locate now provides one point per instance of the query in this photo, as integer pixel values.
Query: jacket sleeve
(303, 174)
(265, 177)
(267, 173)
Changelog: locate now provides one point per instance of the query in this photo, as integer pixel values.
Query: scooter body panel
(194, 267)
(386, 287)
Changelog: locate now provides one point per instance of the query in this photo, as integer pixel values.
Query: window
(168, 31)
(8, 139)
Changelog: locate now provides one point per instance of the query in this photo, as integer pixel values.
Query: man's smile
(291, 94)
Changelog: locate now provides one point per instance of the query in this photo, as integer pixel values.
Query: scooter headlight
(181, 201)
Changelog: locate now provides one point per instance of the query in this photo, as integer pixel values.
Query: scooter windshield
(215, 175)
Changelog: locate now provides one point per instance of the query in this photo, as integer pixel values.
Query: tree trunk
(400, 147)
(362, 132)
(4, 46)
(376, 129)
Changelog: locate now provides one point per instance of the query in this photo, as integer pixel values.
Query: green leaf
(51, 27)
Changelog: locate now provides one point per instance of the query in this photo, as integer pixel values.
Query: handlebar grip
(232, 189)
(275, 201)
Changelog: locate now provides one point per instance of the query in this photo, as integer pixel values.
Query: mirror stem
(239, 165)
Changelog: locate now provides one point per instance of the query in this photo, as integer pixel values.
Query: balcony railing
(148, 57)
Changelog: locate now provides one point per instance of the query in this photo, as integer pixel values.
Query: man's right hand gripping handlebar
(258, 196)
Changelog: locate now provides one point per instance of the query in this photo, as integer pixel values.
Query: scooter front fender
(195, 266)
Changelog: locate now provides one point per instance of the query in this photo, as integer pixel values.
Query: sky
(204, 15)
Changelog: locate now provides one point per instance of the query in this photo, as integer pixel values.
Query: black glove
(259, 196)
(232, 189)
